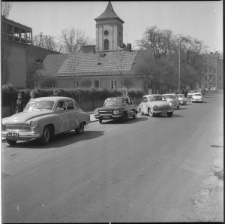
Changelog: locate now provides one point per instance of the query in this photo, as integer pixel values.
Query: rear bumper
(22, 135)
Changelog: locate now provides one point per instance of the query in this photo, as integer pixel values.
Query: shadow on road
(127, 121)
(60, 140)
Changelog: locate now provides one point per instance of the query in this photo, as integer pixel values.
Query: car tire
(169, 114)
(134, 115)
(45, 138)
(151, 114)
(80, 129)
(11, 142)
(100, 120)
(122, 119)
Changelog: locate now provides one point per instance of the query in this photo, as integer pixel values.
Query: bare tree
(73, 40)
(45, 41)
(6, 7)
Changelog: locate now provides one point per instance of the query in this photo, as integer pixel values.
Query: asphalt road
(144, 170)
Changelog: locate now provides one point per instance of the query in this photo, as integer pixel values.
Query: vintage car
(44, 117)
(155, 104)
(116, 108)
(172, 98)
(182, 98)
(190, 94)
(197, 97)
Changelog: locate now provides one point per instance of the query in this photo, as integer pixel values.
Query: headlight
(96, 112)
(33, 124)
(155, 108)
(116, 112)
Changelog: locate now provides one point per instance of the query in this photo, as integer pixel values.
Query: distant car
(117, 108)
(206, 89)
(44, 117)
(213, 88)
(190, 94)
(155, 104)
(172, 98)
(182, 98)
(202, 91)
(197, 97)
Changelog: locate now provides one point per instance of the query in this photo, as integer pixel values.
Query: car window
(76, 106)
(114, 102)
(163, 98)
(150, 98)
(157, 98)
(144, 100)
(69, 105)
(60, 105)
(169, 96)
(45, 104)
(197, 94)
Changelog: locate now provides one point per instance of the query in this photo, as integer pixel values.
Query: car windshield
(197, 94)
(37, 105)
(114, 102)
(156, 98)
(180, 95)
(169, 96)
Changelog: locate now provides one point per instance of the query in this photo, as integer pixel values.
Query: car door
(62, 118)
(73, 114)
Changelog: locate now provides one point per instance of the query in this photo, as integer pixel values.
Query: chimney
(88, 49)
(129, 47)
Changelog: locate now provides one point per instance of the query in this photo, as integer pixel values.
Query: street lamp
(180, 40)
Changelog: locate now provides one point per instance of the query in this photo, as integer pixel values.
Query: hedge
(9, 94)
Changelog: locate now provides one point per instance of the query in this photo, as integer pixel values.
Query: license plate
(13, 134)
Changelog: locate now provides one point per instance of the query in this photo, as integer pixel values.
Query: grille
(105, 111)
(17, 128)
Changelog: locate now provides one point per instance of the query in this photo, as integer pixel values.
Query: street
(152, 169)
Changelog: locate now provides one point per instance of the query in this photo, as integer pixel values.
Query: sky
(202, 20)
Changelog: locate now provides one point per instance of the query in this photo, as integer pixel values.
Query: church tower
(109, 30)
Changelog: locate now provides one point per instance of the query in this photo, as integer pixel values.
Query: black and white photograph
(112, 112)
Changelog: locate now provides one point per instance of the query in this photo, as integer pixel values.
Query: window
(97, 84)
(106, 32)
(206, 78)
(76, 106)
(206, 70)
(205, 85)
(214, 70)
(106, 44)
(75, 84)
(69, 105)
(113, 84)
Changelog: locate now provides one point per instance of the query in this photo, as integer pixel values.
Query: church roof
(108, 14)
(93, 64)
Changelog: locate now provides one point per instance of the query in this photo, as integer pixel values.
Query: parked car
(155, 104)
(44, 117)
(197, 97)
(116, 108)
(182, 98)
(190, 94)
(213, 88)
(202, 91)
(172, 97)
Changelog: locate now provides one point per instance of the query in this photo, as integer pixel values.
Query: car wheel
(169, 114)
(123, 117)
(45, 138)
(151, 114)
(80, 129)
(100, 120)
(11, 142)
(134, 114)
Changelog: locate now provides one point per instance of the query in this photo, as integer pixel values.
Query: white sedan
(197, 97)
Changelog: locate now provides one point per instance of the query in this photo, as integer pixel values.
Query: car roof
(118, 97)
(152, 95)
(169, 94)
(197, 93)
(53, 98)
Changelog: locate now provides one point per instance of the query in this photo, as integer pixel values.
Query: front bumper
(108, 116)
(196, 100)
(22, 135)
(162, 111)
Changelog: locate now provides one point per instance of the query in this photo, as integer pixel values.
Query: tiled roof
(52, 63)
(94, 64)
(109, 14)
